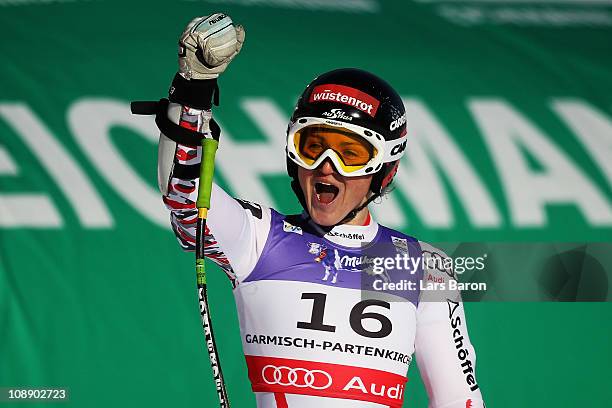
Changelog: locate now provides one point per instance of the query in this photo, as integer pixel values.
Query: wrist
(194, 93)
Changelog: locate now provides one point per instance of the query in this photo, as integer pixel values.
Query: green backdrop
(510, 115)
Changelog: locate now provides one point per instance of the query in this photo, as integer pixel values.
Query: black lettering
(459, 342)
(357, 315)
(469, 369)
(318, 310)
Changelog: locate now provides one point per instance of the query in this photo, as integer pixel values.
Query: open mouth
(326, 193)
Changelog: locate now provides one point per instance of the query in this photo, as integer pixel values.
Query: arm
(445, 355)
(240, 228)
(206, 47)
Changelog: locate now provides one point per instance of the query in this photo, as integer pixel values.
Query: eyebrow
(350, 144)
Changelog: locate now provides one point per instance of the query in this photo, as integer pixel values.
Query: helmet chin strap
(354, 212)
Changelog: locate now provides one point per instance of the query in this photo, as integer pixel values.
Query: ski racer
(310, 334)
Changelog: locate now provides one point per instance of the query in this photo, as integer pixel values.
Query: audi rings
(297, 377)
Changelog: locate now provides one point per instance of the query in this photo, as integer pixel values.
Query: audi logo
(298, 377)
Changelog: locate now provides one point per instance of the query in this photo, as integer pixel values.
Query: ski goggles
(354, 150)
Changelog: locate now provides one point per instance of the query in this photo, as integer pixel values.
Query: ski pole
(207, 169)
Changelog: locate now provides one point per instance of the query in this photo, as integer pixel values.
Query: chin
(325, 220)
(326, 215)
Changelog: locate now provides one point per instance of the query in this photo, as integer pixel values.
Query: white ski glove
(207, 46)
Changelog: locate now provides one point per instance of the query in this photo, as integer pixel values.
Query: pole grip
(207, 170)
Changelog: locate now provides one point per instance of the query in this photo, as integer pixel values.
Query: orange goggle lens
(353, 150)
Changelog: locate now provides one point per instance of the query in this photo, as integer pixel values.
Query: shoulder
(256, 210)
(260, 217)
(395, 236)
(439, 274)
(437, 265)
(436, 262)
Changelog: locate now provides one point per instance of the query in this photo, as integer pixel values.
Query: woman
(318, 327)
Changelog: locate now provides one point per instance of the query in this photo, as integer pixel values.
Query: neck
(349, 234)
(360, 214)
(362, 218)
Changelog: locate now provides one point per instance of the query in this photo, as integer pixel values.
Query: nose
(326, 167)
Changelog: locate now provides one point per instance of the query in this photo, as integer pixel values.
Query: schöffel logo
(463, 354)
(346, 95)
